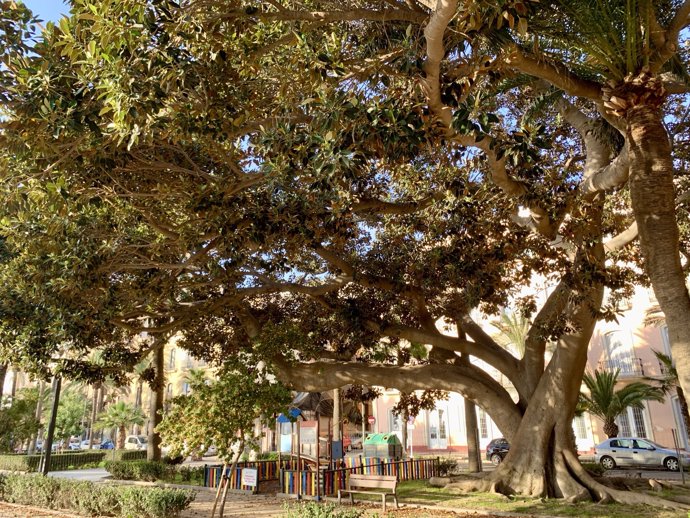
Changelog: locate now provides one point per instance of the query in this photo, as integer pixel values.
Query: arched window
(169, 392)
(171, 359)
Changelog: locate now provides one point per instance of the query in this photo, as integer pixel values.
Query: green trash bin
(382, 445)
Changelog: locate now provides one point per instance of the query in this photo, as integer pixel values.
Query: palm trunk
(121, 433)
(137, 404)
(653, 200)
(683, 403)
(153, 449)
(3, 374)
(610, 428)
(94, 413)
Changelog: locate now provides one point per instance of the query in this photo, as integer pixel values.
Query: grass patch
(419, 492)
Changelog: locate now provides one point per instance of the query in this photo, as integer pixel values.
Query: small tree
(121, 416)
(18, 422)
(607, 403)
(223, 413)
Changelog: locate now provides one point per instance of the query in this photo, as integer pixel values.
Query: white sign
(307, 434)
(250, 477)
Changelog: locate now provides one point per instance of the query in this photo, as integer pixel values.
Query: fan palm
(121, 416)
(513, 328)
(669, 383)
(607, 403)
(196, 378)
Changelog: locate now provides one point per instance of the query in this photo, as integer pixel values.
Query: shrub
(447, 467)
(127, 455)
(188, 474)
(269, 455)
(149, 471)
(94, 499)
(58, 461)
(315, 510)
(173, 461)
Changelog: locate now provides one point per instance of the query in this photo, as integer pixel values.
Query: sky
(47, 10)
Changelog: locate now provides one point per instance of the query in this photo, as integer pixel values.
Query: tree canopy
(323, 186)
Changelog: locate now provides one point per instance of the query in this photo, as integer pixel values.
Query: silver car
(632, 451)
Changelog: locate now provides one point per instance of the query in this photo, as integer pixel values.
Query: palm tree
(196, 377)
(513, 328)
(669, 383)
(121, 416)
(607, 403)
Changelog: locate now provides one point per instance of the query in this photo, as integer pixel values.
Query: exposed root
(606, 494)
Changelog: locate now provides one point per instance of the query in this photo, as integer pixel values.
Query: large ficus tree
(323, 184)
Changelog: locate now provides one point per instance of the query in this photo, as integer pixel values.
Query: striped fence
(267, 470)
(295, 482)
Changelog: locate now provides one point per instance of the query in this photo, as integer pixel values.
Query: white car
(635, 451)
(136, 442)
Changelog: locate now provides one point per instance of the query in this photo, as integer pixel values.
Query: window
(620, 354)
(638, 419)
(621, 443)
(442, 433)
(185, 388)
(168, 391)
(624, 424)
(171, 359)
(394, 422)
(483, 428)
(189, 363)
(580, 427)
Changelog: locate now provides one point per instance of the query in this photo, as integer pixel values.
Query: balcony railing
(626, 366)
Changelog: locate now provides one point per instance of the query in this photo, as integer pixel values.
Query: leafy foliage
(18, 421)
(607, 403)
(222, 412)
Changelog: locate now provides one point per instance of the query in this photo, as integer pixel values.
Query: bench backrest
(373, 481)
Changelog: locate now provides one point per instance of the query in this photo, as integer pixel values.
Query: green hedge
(94, 499)
(125, 454)
(58, 461)
(149, 471)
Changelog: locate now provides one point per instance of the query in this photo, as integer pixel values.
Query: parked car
(633, 451)
(107, 445)
(85, 445)
(497, 450)
(136, 442)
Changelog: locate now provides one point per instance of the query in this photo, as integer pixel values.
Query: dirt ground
(243, 506)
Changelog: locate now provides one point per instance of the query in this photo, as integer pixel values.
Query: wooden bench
(383, 485)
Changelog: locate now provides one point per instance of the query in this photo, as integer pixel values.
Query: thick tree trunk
(153, 449)
(653, 200)
(473, 452)
(404, 417)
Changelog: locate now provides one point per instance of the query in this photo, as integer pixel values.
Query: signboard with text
(250, 477)
(307, 432)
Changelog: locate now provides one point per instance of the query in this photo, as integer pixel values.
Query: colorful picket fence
(295, 482)
(266, 470)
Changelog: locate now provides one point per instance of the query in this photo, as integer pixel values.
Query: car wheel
(671, 463)
(607, 462)
(496, 459)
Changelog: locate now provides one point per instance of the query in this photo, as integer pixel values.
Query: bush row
(63, 461)
(149, 471)
(58, 461)
(94, 499)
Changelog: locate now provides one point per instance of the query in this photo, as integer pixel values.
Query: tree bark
(653, 200)
(473, 451)
(3, 374)
(683, 403)
(94, 413)
(153, 448)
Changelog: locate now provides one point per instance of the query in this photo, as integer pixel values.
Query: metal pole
(48, 443)
(318, 451)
